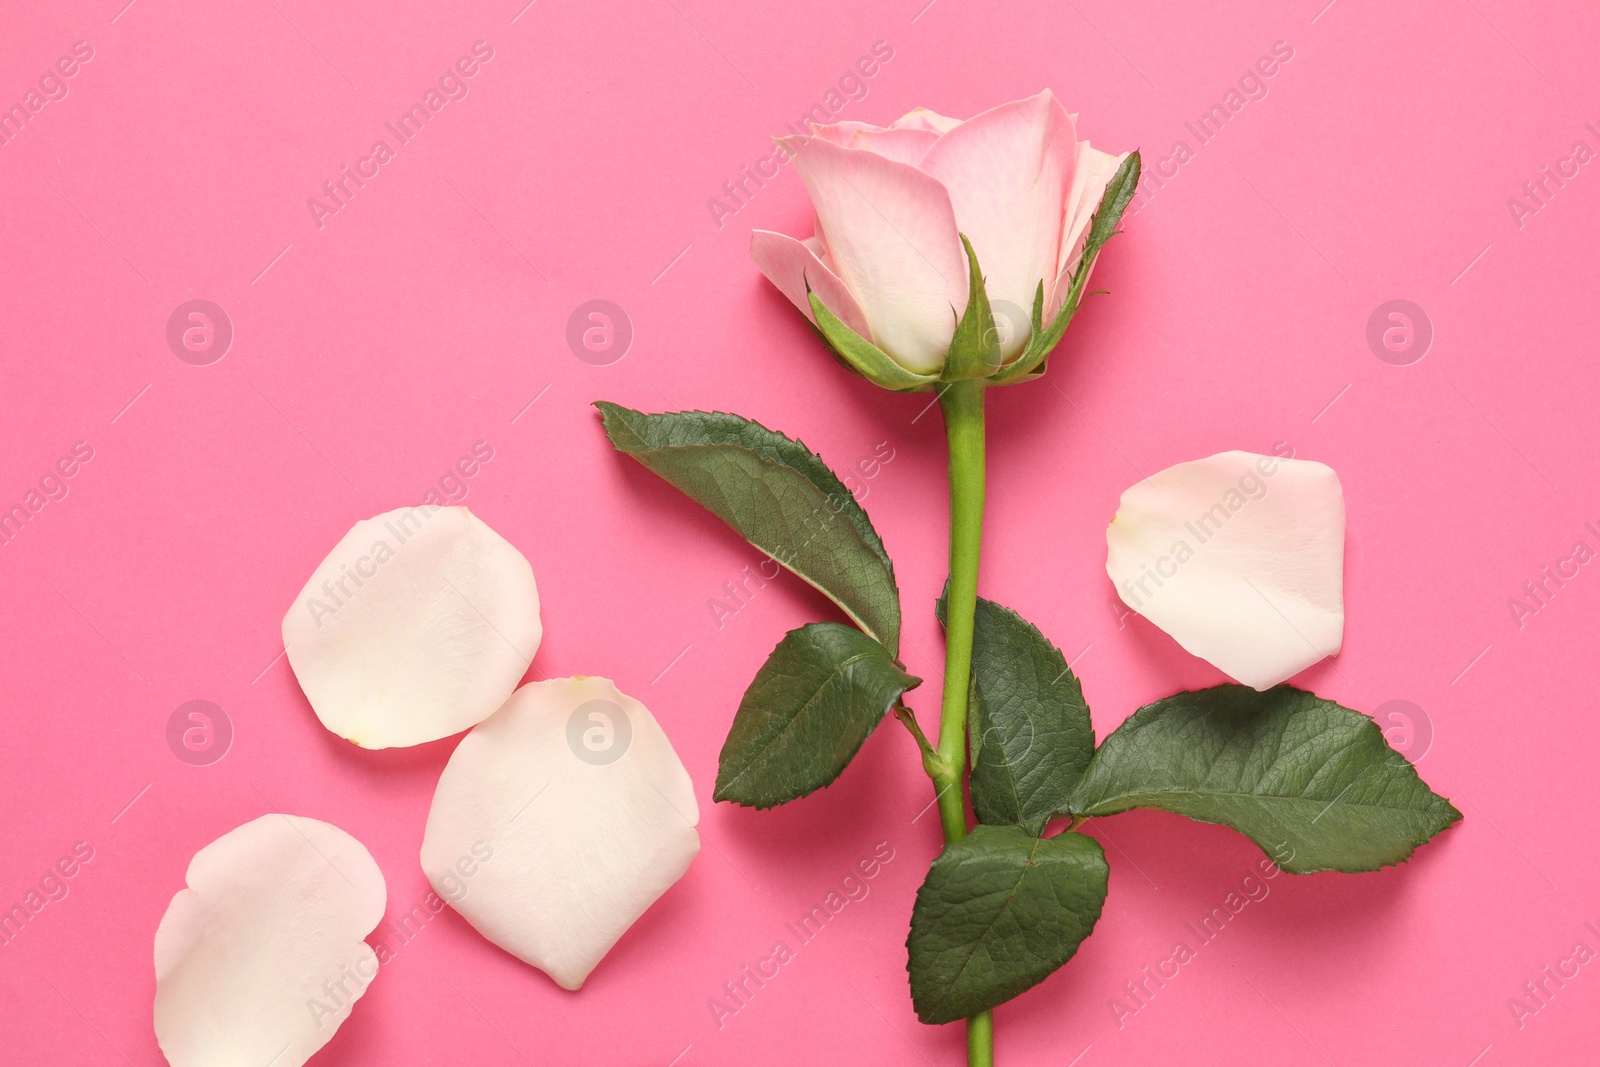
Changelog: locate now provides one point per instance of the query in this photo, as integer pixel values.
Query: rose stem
(962, 404)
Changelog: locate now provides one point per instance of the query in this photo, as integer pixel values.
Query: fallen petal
(418, 625)
(558, 821)
(261, 958)
(1240, 558)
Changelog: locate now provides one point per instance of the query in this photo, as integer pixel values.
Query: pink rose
(892, 207)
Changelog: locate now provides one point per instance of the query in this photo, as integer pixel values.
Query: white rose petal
(1240, 558)
(417, 626)
(558, 821)
(261, 958)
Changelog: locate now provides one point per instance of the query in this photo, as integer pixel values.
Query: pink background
(373, 352)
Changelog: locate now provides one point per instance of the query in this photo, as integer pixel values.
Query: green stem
(962, 404)
(980, 1040)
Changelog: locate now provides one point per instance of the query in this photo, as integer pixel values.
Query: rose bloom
(892, 204)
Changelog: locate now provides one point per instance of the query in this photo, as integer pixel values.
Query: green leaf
(1114, 201)
(812, 704)
(1033, 734)
(1314, 784)
(999, 912)
(861, 355)
(975, 346)
(778, 495)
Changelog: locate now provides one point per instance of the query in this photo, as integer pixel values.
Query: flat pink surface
(374, 350)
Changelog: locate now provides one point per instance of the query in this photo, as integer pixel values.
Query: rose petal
(418, 625)
(1240, 558)
(790, 263)
(572, 813)
(904, 144)
(892, 236)
(1090, 176)
(261, 958)
(921, 118)
(1008, 171)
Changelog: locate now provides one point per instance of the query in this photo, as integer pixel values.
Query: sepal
(975, 346)
(862, 356)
